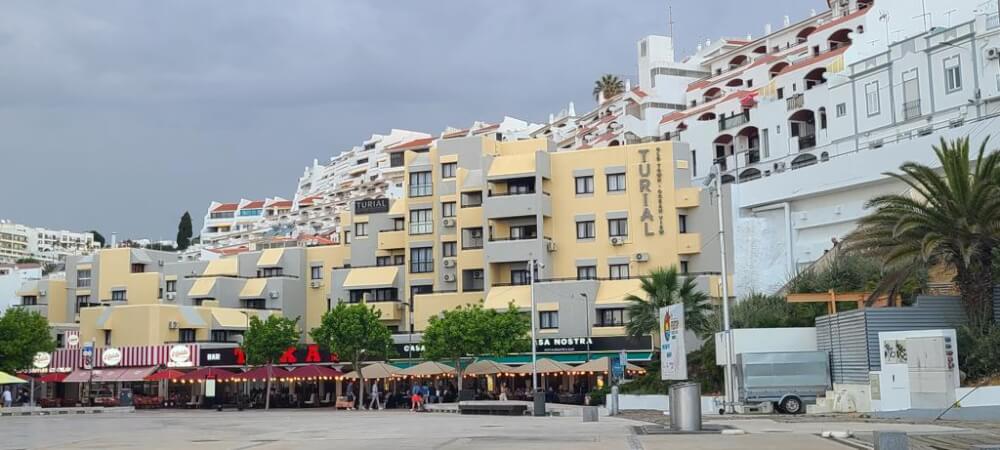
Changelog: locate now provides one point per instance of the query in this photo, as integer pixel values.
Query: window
(81, 301)
(616, 182)
(118, 295)
(472, 199)
(222, 335)
(519, 277)
(186, 335)
(255, 303)
(448, 209)
(449, 249)
(585, 185)
(953, 74)
(269, 272)
(316, 272)
(29, 300)
(171, 285)
(613, 317)
(618, 227)
(107, 338)
(221, 215)
(420, 184)
(347, 237)
(585, 229)
(448, 170)
(373, 295)
(472, 238)
(841, 109)
(250, 212)
(421, 221)
(396, 159)
(382, 261)
(83, 278)
(684, 267)
(586, 272)
(421, 260)
(361, 229)
(872, 98)
(548, 320)
(682, 223)
(618, 271)
(765, 143)
(398, 260)
(518, 232)
(781, 93)
(521, 186)
(398, 224)
(472, 280)
(138, 268)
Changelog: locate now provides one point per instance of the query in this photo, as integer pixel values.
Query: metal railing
(753, 156)
(993, 21)
(806, 142)
(733, 121)
(421, 190)
(911, 109)
(794, 102)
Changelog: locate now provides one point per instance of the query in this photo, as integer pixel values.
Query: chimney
(114, 239)
(787, 21)
(708, 43)
(749, 37)
(572, 110)
(812, 12)
(552, 118)
(628, 85)
(767, 29)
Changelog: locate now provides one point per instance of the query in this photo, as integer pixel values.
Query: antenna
(670, 21)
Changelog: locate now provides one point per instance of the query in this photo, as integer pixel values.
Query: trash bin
(539, 403)
(685, 407)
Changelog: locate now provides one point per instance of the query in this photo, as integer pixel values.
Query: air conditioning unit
(877, 143)
(642, 257)
(779, 167)
(273, 294)
(925, 131)
(448, 222)
(42, 293)
(449, 263)
(550, 246)
(316, 284)
(449, 277)
(617, 240)
(993, 53)
(172, 325)
(171, 296)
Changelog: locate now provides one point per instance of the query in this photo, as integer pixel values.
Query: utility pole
(586, 304)
(716, 178)
(534, 319)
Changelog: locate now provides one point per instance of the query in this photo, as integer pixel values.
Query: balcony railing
(421, 190)
(726, 123)
(993, 21)
(753, 156)
(508, 194)
(807, 142)
(911, 109)
(794, 102)
(514, 238)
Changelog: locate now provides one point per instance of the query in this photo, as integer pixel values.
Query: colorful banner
(673, 358)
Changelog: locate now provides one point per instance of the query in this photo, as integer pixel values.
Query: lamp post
(586, 305)
(534, 325)
(246, 383)
(715, 181)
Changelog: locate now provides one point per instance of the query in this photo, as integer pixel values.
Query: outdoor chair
(326, 399)
(311, 401)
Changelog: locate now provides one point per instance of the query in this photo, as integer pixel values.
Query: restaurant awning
(78, 376)
(6, 378)
(262, 373)
(222, 267)
(108, 375)
(202, 287)
(614, 292)
(602, 364)
(167, 374)
(54, 377)
(376, 370)
(428, 369)
(313, 372)
(208, 373)
(487, 367)
(512, 165)
(371, 277)
(544, 366)
(501, 296)
(253, 288)
(136, 374)
(229, 318)
(270, 257)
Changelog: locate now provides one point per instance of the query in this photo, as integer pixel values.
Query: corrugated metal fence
(852, 337)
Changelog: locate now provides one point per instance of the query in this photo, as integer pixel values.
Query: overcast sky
(121, 115)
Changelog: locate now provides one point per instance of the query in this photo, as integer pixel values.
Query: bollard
(613, 407)
(685, 407)
(590, 414)
(539, 410)
(891, 440)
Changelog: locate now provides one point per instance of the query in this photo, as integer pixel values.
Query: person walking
(350, 394)
(503, 392)
(425, 395)
(8, 399)
(376, 398)
(415, 397)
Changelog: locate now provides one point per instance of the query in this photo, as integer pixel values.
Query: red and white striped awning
(139, 356)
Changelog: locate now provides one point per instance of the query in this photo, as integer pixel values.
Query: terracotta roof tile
(256, 204)
(416, 143)
(226, 207)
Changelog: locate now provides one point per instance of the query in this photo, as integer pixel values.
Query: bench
(493, 409)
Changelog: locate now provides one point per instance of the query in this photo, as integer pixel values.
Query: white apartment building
(240, 221)
(804, 121)
(12, 276)
(19, 241)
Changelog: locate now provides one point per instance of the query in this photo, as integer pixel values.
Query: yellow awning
(501, 296)
(371, 277)
(615, 291)
(398, 208)
(218, 267)
(270, 257)
(228, 318)
(253, 288)
(30, 292)
(202, 287)
(170, 277)
(504, 166)
(550, 306)
(83, 267)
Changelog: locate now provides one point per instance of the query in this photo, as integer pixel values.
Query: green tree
(98, 237)
(951, 217)
(663, 287)
(266, 340)
(184, 232)
(609, 85)
(354, 331)
(471, 331)
(23, 333)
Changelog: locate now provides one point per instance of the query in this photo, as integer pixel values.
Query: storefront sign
(180, 356)
(652, 224)
(673, 357)
(42, 360)
(111, 356)
(597, 344)
(234, 356)
(371, 206)
(72, 340)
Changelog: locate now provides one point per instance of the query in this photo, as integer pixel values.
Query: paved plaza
(398, 430)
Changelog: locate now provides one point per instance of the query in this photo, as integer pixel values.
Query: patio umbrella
(167, 374)
(601, 365)
(376, 370)
(261, 373)
(6, 378)
(315, 372)
(545, 366)
(428, 369)
(208, 373)
(487, 367)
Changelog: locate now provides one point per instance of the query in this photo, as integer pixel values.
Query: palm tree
(950, 217)
(609, 85)
(663, 287)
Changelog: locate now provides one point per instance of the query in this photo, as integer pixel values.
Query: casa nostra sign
(371, 206)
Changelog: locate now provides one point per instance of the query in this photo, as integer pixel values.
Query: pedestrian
(350, 395)
(415, 397)
(425, 394)
(503, 392)
(376, 399)
(8, 399)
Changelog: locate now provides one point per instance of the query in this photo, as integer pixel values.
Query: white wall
(10, 283)
(709, 405)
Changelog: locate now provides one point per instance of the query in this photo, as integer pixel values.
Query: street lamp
(246, 383)
(586, 305)
(714, 183)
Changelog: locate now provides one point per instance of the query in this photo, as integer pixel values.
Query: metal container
(685, 407)
(539, 409)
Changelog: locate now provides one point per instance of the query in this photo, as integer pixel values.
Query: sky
(121, 115)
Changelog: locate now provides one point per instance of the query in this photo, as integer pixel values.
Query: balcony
(807, 142)
(686, 197)
(391, 310)
(391, 239)
(797, 101)
(733, 121)
(514, 250)
(911, 109)
(753, 156)
(40, 308)
(499, 206)
(688, 243)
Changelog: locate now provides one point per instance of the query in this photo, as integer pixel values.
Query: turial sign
(652, 202)
(371, 206)
(673, 358)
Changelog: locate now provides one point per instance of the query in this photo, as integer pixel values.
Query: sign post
(673, 358)
(88, 363)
